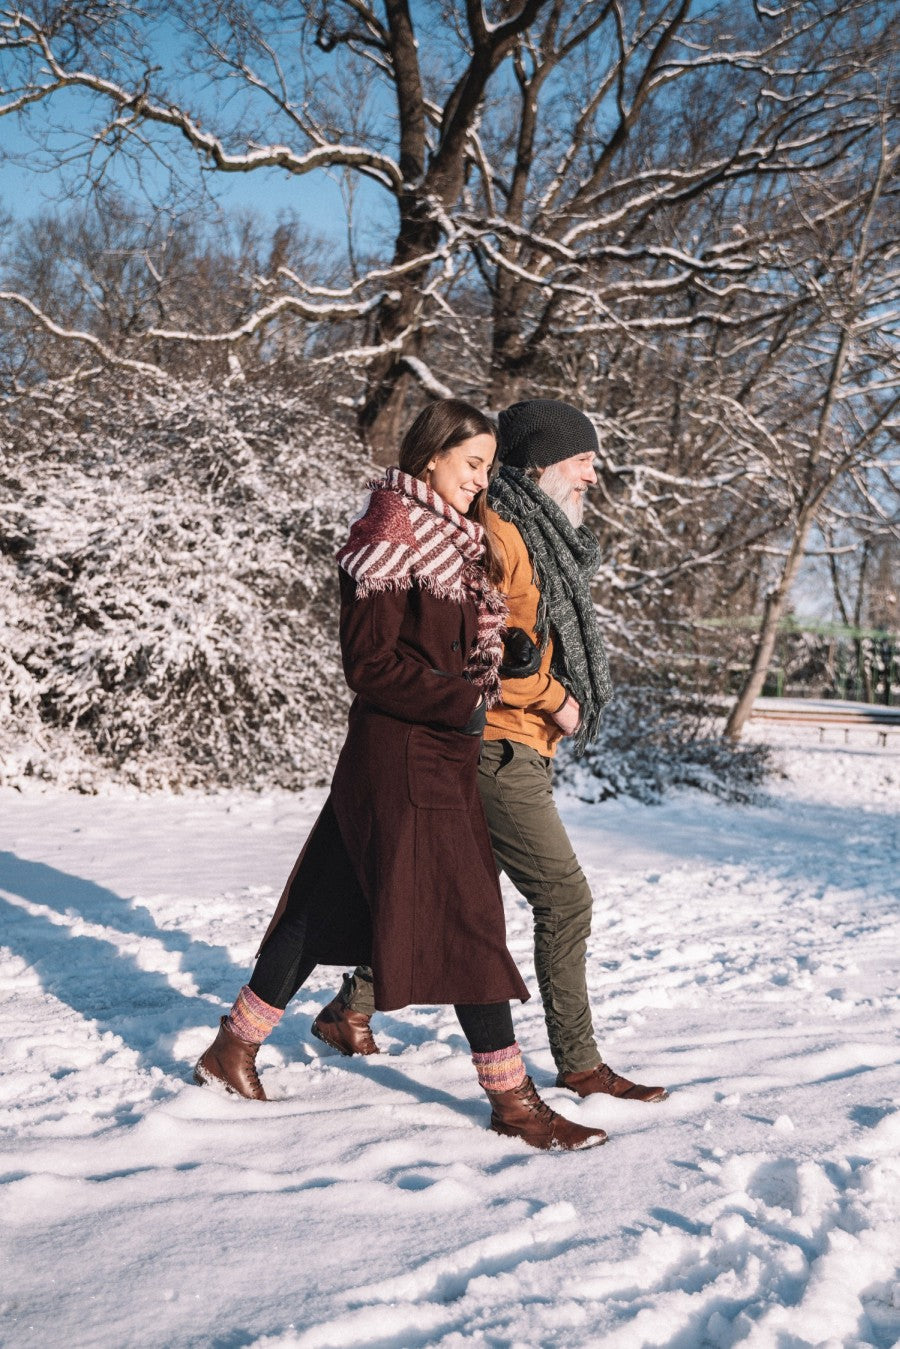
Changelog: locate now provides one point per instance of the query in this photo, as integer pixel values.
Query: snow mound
(745, 956)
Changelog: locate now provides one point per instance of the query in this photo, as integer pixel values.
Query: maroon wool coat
(398, 872)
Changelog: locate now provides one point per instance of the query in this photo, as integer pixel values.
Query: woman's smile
(462, 472)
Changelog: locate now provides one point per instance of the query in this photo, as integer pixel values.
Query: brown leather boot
(520, 1113)
(345, 1030)
(602, 1079)
(232, 1061)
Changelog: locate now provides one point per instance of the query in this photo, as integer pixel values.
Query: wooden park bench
(826, 713)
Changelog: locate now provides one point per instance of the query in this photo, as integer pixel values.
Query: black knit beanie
(542, 431)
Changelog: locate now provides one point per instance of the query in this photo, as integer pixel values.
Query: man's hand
(568, 717)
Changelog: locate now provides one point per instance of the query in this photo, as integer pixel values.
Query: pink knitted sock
(501, 1070)
(250, 1018)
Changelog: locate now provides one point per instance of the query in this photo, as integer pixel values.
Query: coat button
(454, 645)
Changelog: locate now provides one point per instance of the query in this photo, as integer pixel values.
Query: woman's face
(459, 474)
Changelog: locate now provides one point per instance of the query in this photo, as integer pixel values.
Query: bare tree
(109, 274)
(837, 410)
(645, 160)
(591, 160)
(651, 210)
(72, 47)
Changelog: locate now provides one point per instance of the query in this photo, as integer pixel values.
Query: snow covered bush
(22, 734)
(168, 588)
(169, 600)
(654, 738)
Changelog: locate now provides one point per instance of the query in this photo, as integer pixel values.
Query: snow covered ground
(745, 956)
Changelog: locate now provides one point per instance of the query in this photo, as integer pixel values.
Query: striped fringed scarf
(408, 536)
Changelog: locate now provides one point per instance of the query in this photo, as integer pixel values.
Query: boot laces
(610, 1079)
(538, 1106)
(250, 1068)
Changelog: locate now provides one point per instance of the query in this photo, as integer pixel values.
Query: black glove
(521, 656)
(476, 723)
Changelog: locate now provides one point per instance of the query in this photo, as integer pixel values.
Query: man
(547, 450)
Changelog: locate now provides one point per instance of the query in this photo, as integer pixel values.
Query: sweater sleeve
(540, 691)
(378, 670)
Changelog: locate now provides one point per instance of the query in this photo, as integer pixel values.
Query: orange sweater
(524, 713)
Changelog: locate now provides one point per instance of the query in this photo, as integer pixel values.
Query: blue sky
(66, 117)
(270, 193)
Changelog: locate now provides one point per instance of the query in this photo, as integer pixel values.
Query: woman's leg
(488, 1026)
(281, 969)
(283, 965)
(516, 1109)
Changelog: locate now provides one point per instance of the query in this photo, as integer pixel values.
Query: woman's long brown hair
(438, 429)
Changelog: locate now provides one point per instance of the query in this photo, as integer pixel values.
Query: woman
(398, 871)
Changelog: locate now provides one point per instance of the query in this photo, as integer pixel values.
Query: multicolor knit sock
(501, 1070)
(250, 1018)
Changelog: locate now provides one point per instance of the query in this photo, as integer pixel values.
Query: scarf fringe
(366, 585)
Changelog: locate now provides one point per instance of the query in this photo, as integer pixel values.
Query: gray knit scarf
(565, 559)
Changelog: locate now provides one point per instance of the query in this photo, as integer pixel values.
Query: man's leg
(531, 845)
(344, 1023)
(358, 990)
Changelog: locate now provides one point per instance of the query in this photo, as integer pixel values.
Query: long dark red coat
(398, 872)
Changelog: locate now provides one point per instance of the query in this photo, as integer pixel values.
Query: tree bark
(381, 414)
(773, 612)
(440, 182)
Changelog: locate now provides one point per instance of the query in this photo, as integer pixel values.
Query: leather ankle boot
(602, 1080)
(520, 1113)
(343, 1029)
(232, 1061)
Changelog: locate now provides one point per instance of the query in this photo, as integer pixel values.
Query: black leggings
(283, 967)
(486, 1025)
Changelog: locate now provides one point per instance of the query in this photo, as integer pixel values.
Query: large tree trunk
(441, 182)
(381, 416)
(505, 384)
(512, 356)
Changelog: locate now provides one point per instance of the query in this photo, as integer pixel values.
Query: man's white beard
(569, 500)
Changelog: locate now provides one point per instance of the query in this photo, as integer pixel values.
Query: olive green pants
(531, 845)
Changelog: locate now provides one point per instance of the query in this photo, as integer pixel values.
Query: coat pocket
(440, 768)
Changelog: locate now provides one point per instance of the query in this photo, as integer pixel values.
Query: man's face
(566, 483)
